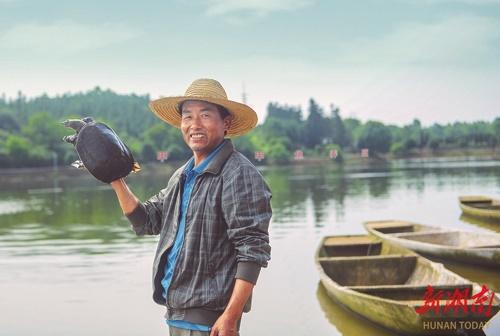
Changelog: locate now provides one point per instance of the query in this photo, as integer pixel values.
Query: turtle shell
(102, 152)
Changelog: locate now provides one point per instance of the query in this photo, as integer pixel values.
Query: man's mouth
(196, 135)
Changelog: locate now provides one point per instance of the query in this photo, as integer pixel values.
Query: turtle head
(75, 124)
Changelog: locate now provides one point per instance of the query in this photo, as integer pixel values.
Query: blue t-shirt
(191, 174)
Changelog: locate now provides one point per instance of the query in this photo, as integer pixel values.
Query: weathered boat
(456, 245)
(480, 206)
(388, 284)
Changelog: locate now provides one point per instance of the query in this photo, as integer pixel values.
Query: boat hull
(470, 206)
(369, 292)
(459, 246)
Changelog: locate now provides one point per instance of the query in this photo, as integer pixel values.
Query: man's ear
(227, 123)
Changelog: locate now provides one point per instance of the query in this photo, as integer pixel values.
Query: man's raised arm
(128, 201)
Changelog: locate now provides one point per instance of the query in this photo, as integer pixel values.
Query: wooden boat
(456, 245)
(480, 206)
(386, 284)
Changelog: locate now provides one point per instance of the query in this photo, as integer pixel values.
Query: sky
(386, 60)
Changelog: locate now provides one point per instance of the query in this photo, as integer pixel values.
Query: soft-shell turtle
(100, 150)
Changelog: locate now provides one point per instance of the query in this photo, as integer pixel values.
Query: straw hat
(244, 117)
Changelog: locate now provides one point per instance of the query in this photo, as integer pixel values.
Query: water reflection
(346, 322)
(79, 215)
(70, 205)
(328, 186)
(490, 224)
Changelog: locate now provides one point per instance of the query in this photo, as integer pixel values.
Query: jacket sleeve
(146, 218)
(246, 206)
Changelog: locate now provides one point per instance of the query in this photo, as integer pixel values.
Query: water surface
(71, 265)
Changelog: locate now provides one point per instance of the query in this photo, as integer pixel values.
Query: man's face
(202, 126)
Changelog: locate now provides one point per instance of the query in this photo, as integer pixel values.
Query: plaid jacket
(226, 235)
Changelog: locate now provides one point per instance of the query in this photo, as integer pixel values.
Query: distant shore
(455, 154)
(441, 154)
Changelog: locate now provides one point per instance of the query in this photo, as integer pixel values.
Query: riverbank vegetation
(30, 132)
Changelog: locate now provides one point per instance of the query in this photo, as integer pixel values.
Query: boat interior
(368, 265)
(437, 236)
(481, 203)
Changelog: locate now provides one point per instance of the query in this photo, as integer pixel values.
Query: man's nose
(196, 121)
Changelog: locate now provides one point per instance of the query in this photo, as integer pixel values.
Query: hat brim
(243, 120)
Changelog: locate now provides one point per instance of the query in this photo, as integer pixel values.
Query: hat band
(205, 92)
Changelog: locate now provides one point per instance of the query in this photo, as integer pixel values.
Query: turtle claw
(78, 164)
(136, 167)
(70, 139)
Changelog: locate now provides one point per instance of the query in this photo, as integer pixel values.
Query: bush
(398, 149)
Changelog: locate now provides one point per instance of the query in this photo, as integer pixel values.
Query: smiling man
(212, 217)
(203, 127)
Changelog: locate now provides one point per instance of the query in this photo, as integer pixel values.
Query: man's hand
(225, 326)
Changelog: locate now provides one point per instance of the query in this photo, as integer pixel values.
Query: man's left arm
(247, 210)
(246, 206)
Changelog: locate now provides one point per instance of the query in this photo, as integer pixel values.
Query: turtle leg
(70, 138)
(78, 164)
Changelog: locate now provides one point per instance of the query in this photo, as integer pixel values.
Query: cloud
(461, 40)
(63, 37)
(254, 7)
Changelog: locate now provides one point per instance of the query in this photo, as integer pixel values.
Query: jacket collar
(220, 159)
(216, 164)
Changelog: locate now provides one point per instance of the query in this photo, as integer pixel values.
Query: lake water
(70, 265)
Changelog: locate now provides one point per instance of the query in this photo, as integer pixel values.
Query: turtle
(101, 151)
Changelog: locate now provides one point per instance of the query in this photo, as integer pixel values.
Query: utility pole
(244, 94)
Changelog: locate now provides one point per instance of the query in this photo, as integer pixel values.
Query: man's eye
(186, 117)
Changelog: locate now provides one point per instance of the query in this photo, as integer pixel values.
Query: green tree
(17, 149)
(353, 131)
(8, 123)
(338, 131)
(157, 136)
(148, 153)
(277, 151)
(163, 137)
(496, 130)
(398, 149)
(317, 127)
(376, 137)
(43, 129)
(275, 148)
(244, 145)
(285, 121)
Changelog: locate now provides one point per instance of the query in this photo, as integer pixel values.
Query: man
(212, 217)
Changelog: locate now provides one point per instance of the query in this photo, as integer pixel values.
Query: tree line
(30, 131)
